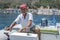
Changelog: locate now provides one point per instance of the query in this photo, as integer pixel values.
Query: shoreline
(39, 11)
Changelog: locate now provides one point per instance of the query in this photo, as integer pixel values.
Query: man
(25, 19)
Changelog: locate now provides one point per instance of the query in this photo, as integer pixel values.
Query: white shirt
(20, 19)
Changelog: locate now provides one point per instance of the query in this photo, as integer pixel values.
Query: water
(7, 19)
(37, 18)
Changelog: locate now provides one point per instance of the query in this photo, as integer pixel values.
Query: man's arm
(11, 26)
(15, 22)
(30, 20)
(29, 23)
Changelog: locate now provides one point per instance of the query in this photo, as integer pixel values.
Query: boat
(47, 33)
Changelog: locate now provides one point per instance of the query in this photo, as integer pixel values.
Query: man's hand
(23, 29)
(11, 26)
(8, 28)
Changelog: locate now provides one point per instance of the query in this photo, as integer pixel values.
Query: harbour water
(7, 19)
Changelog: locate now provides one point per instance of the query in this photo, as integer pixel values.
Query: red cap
(23, 6)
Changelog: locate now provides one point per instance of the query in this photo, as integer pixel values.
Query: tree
(5, 5)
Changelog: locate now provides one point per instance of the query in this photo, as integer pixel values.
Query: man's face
(23, 10)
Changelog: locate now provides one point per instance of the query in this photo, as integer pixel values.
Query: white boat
(47, 33)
